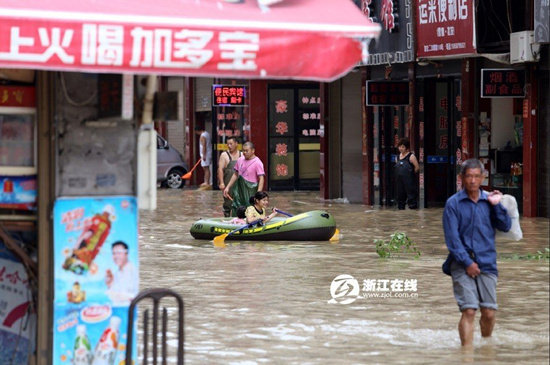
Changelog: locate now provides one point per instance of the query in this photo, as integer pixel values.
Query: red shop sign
(231, 95)
(17, 96)
(445, 28)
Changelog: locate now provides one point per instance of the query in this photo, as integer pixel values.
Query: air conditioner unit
(523, 47)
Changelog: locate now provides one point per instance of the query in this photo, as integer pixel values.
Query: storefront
(18, 204)
(389, 98)
(388, 101)
(500, 128)
(483, 103)
(438, 89)
(57, 142)
(288, 127)
(293, 136)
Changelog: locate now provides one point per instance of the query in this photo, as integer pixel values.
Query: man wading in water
(226, 168)
(469, 221)
(248, 178)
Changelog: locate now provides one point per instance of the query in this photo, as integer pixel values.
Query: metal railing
(156, 295)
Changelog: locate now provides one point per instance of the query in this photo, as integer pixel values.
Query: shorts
(207, 161)
(473, 293)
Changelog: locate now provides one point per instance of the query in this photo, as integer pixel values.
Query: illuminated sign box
(228, 95)
(502, 83)
(387, 93)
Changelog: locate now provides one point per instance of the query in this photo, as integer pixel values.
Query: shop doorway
(294, 142)
(441, 116)
(389, 126)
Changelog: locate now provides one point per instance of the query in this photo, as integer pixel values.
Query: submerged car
(170, 165)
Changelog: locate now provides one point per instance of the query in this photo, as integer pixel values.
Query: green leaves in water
(539, 255)
(399, 243)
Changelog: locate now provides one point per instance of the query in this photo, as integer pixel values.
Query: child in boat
(256, 210)
(241, 217)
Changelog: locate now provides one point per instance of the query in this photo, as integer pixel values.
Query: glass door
(294, 145)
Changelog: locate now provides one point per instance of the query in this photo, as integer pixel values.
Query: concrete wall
(175, 128)
(94, 157)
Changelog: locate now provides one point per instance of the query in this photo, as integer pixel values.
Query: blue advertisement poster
(18, 192)
(96, 276)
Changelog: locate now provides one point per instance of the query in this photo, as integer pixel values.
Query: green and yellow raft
(315, 225)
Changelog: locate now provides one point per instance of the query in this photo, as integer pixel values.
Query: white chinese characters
(53, 41)
(132, 47)
(389, 285)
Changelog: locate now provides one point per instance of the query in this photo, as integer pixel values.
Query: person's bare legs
(487, 321)
(206, 170)
(466, 327)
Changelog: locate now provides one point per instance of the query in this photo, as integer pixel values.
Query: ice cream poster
(17, 316)
(95, 277)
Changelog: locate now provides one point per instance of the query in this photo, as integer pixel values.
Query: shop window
(17, 148)
(17, 140)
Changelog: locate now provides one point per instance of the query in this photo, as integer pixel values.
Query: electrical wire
(497, 18)
(508, 16)
(68, 98)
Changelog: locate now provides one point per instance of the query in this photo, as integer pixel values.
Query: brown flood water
(256, 303)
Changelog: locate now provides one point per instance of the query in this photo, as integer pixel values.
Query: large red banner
(111, 47)
(307, 39)
(445, 28)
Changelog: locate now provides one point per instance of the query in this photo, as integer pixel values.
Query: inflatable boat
(315, 225)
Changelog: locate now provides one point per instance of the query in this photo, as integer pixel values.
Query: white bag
(511, 205)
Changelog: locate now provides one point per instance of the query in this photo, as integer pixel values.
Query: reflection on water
(267, 302)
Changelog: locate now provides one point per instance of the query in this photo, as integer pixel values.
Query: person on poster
(406, 169)
(469, 222)
(226, 166)
(248, 178)
(122, 284)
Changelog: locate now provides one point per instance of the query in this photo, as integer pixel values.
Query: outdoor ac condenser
(523, 47)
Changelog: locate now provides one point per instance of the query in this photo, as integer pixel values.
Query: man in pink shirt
(247, 179)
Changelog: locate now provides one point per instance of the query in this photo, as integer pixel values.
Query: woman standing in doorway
(406, 169)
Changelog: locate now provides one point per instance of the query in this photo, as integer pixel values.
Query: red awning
(292, 39)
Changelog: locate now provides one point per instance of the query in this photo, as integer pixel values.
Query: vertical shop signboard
(445, 28)
(395, 43)
(95, 277)
(281, 135)
(442, 120)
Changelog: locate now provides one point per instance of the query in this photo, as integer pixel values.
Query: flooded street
(267, 302)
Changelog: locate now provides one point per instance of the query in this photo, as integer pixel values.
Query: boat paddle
(284, 213)
(219, 239)
(187, 176)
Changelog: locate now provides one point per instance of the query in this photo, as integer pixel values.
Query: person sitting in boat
(240, 218)
(256, 210)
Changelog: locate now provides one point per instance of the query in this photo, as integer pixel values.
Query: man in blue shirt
(469, 221)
